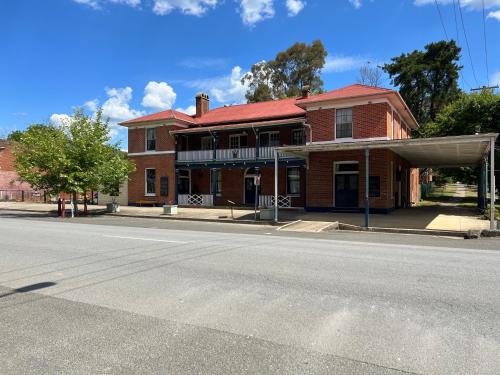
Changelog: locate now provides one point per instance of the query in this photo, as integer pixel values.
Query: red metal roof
(274, 109)
(345, 92)
(250, 112)
(169, 114)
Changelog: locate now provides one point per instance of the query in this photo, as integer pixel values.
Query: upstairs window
(150, 139)
(298, 137)
(343, 123)
(206, 143)
(237, 141)
(269, 139)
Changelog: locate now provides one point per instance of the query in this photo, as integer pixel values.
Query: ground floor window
(293, 180)
(150, 181)
(184, 183)
(218, 175)
(374, 185)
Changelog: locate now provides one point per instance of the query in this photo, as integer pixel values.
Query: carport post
(275, 186)
(367, 187)
(492, 184)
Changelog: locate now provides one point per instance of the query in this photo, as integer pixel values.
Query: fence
(21, 196)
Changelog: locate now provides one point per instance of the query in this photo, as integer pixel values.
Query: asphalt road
(82, 298)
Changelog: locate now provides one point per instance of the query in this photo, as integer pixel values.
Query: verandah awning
(455, 151)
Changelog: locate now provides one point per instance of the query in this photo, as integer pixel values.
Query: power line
(441, 19)
(485, 46)
(467, 42)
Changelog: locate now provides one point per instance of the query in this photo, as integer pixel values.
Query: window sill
(150, 195)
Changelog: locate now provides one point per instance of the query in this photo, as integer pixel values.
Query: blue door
(346, 190)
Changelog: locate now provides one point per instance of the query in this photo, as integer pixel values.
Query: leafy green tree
(41, 160)
(15, 136)
(427, 80)
(469, 114)
(114, 173)
(285, 76)
(74, 158)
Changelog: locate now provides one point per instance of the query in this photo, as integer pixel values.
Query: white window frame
(146, 137)
(300, 183)
(269, 133)
(233, 136)
(352, 123)
(146, 194)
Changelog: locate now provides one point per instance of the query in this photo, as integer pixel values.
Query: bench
(145, 202)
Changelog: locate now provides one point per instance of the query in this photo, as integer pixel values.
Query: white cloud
(190, 110)
(97, 4)
(495, 14)
(158, 95)
(253, 11)
(336, 64)
(60, 119)
(190, 7)
(295, 7)
(356, 3)
(91, 105)
(117, 106)
(226, 89)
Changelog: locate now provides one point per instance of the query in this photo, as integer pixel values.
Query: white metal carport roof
(455, 151)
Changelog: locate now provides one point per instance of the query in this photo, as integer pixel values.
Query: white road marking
(145, 239)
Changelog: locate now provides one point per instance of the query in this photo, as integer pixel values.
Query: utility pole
(485, 88)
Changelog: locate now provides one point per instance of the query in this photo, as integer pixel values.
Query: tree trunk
(75, 204)
(85, 210)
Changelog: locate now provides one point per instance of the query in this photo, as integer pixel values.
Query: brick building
(214, 156)
(10, 186)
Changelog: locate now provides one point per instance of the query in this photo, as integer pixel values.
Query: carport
(439, 152)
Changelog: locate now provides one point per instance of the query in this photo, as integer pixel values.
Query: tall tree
(469, 114)
(285, 76)
(427, 80)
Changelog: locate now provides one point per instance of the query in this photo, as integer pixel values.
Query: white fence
(246, 153)
(196, 200)
(284, 201)
(199, 155)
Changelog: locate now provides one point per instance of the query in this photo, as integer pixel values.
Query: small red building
(10, 187)
(213, 157)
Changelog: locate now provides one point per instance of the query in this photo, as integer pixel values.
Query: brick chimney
(202, 104)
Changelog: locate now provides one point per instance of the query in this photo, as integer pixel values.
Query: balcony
(230, 154)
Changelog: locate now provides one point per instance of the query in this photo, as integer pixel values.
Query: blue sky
(134, 57)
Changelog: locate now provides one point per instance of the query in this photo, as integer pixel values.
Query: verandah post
(367, 187)
(492, 183)
(275, 186)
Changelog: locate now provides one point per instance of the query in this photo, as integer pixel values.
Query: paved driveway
(78, 298)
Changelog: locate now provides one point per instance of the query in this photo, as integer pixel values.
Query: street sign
(256, 180)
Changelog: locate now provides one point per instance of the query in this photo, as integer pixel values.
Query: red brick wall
(164, 165)
(322, 122)
(9, 179)
(397, 126)
(164, 141)
(370, 121)
(6, 157)
(320, 191)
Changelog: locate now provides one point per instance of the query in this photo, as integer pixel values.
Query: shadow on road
(29, 288)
